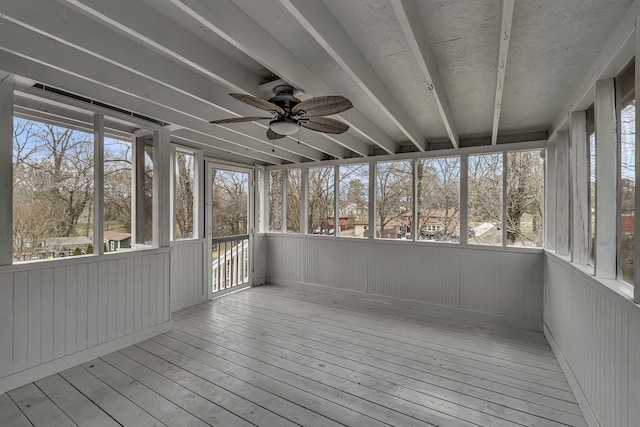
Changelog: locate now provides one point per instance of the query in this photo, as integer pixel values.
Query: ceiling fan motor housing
(284, 98)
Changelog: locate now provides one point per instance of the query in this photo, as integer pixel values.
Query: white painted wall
(259, 259)
(188, 279)
(502, 282)
(596, 330)
(56, 314)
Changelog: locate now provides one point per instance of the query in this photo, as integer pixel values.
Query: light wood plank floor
(275, 356)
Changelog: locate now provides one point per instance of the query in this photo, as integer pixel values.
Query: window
(394, 194)
(53, 182)
(275, 201)
(525, 195)
(353, 199)
(118, 158)
(321, 198)
(184, 188)
(438, 193)
(485, 199)
(591, 136)
(259, 176)
(293, 200)
(229, 202)
(627, 190)
(143, 167)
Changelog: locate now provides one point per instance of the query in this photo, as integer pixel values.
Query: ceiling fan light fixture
(284, 126)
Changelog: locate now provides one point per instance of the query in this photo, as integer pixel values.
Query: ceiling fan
(289, 113)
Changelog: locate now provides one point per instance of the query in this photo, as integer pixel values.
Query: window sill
(79, 259)
(617, 289)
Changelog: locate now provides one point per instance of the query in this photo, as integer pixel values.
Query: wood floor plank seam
(547, 353)
(144, 347)
(164, 396)
(277, 356)
(330, 394)
(471, 408)
(228, 330)
(275, 311)
(540, 341)
(474, 396)
(419, 313)
(486, 367)
(432, 347)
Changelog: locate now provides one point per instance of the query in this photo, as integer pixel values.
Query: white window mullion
(336, 201)
(199, 195)
(579, 171)
(562, 193)
(304, 202)
(172, 192)
(550, 197)
(636, 236)
(283, 185)
(98, 184)
(606, 180)
(372, 200)
(464, 199)
(6, 171)
(505, 170)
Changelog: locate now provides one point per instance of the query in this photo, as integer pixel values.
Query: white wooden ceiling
(422, 74)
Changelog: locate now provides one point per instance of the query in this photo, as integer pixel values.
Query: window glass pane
(229, 202)
(275, 201)
(439, 199)
(354, 201)
(293, 200)
(257, 196)
(627, 189)
(394, 200)
(485, 199)
(144, 191)
(117, 194)
(525, 195)
(321, 201)
(52, 191)
(184, 190)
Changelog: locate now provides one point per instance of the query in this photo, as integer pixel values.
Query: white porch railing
(230, 262)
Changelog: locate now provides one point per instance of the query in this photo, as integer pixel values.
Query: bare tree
(184, 194)
(394, 194)
(321, 199)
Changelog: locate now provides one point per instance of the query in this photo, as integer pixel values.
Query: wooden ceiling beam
(505, 37)
(58, 74)
(233, 25)
(613, 57)
(409, 18)
(49, 19)
(326, 30)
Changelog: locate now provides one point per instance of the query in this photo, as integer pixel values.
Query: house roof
(115, 235)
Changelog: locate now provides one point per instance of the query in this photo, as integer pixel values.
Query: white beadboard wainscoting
(503, 284)
(595, 332)
(259, 259)
(57, 314)
(188, 278)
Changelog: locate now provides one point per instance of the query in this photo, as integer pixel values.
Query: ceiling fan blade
(258, 103)
(239, 120)
(321, 106)
(323, 124)
(272, 135)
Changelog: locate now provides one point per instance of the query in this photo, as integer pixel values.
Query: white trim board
(415, 305)
(179, 305)
(27, 376)
(588, 414)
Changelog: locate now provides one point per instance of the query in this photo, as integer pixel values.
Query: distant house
(63, 246)
(116, 240)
